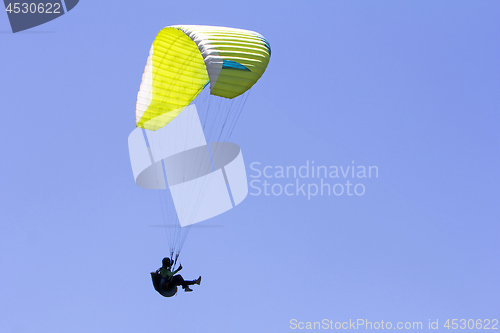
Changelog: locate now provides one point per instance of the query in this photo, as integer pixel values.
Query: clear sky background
(408, 86)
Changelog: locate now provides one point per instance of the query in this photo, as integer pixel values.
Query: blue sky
(409, 87)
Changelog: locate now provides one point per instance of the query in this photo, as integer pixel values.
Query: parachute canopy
(185, 58)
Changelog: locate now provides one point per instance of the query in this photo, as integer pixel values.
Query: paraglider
(185, 58)
(191, 68)
(166, 282)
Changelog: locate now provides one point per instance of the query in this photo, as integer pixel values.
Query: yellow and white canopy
(185, 58)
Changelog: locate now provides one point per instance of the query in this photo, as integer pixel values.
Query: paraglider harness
(162, 285)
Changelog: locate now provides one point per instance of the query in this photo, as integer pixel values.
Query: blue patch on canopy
(234, 65)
